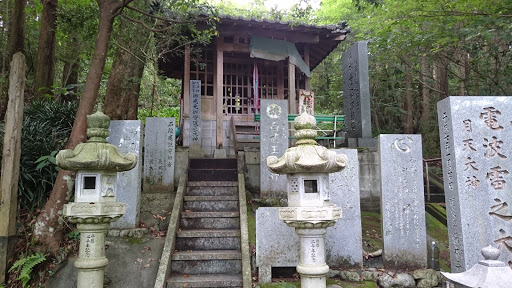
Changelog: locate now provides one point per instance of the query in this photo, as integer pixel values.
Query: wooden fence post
(10, 162)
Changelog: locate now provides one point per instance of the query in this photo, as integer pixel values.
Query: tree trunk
(17, 37)
(48, 229)
(441, 77)
(70, 71)
(45, 68)
(425, 126)
(409, 128)
(462, 64)
(122, 97)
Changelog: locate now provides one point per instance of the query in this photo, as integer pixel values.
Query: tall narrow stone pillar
(312, 267)
(91, 260)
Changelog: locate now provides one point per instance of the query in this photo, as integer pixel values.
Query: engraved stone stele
(97, 163)
(347, 230)
(402, 202)
(127, 136)
(309, 210)
(475, 134)
(159, 154)
(487, 273)
(273, 142)
(356, 96)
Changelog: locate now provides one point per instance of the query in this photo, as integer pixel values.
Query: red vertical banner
(255, 87)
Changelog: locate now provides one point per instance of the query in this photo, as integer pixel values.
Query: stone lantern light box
(308, 189)
(95, 186)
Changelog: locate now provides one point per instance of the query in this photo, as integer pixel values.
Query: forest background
(76, 53)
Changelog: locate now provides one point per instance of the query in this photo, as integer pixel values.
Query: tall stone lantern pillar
(97, 163)
(309, 210)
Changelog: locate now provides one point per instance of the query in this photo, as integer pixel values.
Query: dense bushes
(46, 128)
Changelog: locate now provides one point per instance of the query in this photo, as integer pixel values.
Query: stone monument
(307, 167)
(475, 148)
(348, 230)
(273, 142)
(356, 96)
(402, 203)
(159, 153)
(97, 163)
(127, 136)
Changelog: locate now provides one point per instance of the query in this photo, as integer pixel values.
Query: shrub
(46, 128)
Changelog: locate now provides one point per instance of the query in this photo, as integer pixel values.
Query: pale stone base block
(307, 281)
(265, 274)
(88, 278)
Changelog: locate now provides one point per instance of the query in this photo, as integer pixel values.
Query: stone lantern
(97, 163)
(309, 208)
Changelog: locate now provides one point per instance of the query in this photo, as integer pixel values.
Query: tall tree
(16, 44)
(45, 68)
(48, 228)
(17, 37)
(121, 99)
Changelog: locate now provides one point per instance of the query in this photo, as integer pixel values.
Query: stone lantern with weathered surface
(309, 210)
(97, 163)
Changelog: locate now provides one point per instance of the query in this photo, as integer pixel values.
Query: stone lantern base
(93, 221)
(311, 224)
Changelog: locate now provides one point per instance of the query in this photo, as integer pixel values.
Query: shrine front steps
(207, 252)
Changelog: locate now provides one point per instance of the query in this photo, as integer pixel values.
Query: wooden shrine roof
(321, 39)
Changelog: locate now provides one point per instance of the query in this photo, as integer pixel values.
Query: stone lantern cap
(96, 153)
(307, 156)
(488, 273)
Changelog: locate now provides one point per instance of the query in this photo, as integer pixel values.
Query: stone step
(209, 221)
(213, 183)
(210, 205)
(205, 280)
(208, 239)
(196, 255)
(207, 267)
(212, 163)
(211, 190)
(212, 175)
(210, 214)
(211, 233)
(211, 198)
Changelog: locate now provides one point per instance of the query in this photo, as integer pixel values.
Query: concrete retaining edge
(244, 233)
(170, 240)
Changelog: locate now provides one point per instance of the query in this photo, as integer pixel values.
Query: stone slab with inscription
(273, 141)
(195, 112)
(356, 91)
(344, 193)
(127, 136)
(476, 148)
(402, 203)
(159, 153)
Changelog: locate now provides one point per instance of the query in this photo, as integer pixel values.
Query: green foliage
(46, 127)
(469, 40)
(75, 234)
(25, 265)
(163, 112)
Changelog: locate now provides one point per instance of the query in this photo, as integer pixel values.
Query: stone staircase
(207, 251)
